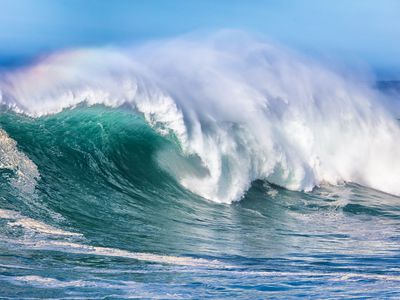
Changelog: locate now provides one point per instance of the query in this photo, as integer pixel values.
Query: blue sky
(353, 31)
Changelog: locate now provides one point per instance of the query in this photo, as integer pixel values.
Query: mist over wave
(241, 109)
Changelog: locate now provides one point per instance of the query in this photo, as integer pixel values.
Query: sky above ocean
(359, 32)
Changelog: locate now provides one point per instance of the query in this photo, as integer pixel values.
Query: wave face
(241, 109)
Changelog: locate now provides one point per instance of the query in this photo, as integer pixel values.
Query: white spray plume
(247, 108)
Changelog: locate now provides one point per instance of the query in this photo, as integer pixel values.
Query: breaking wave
(227, 110)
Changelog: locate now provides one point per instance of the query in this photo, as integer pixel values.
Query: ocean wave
(240, 109)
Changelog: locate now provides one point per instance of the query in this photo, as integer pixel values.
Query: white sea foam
(78, 248)
(331, 276)
(47, 282)
(15, 219)
(26, 172)
(248, 109)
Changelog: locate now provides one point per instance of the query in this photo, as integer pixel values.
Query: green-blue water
(99, 218)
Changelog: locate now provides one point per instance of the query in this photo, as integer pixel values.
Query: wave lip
(241, 108)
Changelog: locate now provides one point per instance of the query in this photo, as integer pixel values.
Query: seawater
(193, 168)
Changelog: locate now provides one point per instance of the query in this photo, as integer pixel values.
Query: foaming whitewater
(12, 159)
(240, 108)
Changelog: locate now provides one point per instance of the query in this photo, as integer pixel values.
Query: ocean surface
(195, 169)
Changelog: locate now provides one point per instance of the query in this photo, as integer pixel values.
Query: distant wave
(239, 108)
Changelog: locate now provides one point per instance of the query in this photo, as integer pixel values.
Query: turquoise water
(87, 211)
